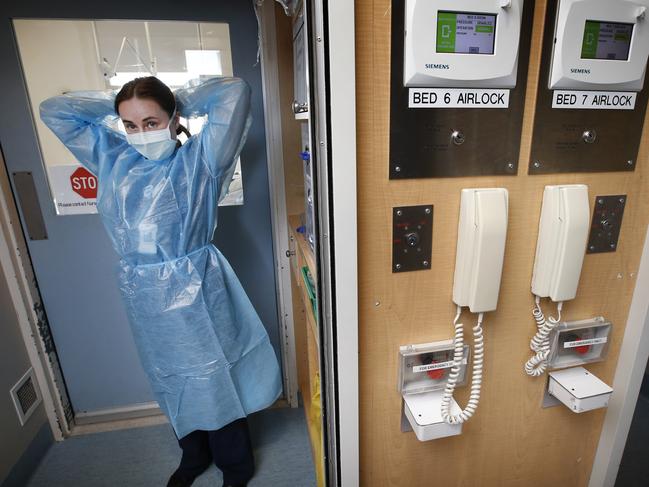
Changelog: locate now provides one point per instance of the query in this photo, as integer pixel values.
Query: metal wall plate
(549, 401)
(29, 205)
(406, 427)
(569, 140)
(421, 140)
(606, 224)
(412, 238)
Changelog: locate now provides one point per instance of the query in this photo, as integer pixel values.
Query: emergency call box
(592, 96)
(579, 342)
(425, 367)
(459, 70)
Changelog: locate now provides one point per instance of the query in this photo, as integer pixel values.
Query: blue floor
(147, 456)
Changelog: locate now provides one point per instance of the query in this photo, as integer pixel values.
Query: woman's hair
(150, 88)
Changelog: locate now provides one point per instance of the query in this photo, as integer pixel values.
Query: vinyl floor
(146, 456)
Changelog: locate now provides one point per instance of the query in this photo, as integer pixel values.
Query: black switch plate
(606, 224)
(412, 238)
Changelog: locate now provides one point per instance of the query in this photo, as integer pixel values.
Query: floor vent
(26, 396)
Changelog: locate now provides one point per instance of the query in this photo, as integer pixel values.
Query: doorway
(72, 258)
(103, 375)
(243, 229)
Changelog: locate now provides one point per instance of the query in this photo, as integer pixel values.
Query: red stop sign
(84, 183)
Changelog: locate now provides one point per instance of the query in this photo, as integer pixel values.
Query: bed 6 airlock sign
(457, 98)
(74, 189)
(457, 86)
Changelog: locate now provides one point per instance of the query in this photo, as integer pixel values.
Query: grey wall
(14, 438)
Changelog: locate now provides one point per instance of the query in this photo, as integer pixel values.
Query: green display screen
(465, 33)
(606, 40)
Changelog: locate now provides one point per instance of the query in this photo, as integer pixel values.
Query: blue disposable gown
(199, 339)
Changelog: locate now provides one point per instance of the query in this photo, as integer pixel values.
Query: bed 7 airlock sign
(594, 100)
(74, 189)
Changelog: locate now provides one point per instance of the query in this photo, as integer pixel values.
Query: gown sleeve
(226, 102)
(82, 121)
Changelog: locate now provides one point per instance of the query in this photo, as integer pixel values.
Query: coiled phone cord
(540, 343)
(476, 378)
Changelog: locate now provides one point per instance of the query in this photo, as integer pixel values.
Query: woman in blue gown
(200, 341)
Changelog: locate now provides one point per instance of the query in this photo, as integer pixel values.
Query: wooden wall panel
(511, 441)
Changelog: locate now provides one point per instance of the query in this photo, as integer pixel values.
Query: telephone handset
(561, 245)
(482, 233)
(560, 250)
(480, 248)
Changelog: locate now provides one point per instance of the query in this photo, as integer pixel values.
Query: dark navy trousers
(229, 448)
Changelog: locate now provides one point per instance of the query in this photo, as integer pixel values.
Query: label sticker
(147, 238)
(594, 100)
(74, 189)
(439, 365)
(583, 343)
(457, 98)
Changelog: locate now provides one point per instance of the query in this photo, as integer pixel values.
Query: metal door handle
(300, 107)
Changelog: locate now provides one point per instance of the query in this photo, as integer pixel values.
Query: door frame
(629, 372)
(340, 22)
(34, 328)
(277, 190)
(14, 257)
(333, 86)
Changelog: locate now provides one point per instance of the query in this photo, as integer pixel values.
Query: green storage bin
(310, 289)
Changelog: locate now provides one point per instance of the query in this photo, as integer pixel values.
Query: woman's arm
(226, 102)
(81, 121)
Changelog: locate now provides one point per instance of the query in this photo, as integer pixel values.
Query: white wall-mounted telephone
(560, 250)
(480, 248)
(482, 233)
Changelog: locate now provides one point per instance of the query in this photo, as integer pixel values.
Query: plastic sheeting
(290, 6)
(200, 341)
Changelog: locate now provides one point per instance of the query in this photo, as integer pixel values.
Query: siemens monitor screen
(606, 40)
(465, 33)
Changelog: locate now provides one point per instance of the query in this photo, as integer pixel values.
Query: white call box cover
(481, 43)
(580, 383)
(620, 45)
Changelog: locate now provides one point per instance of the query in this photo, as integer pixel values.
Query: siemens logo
(438, 66)
(579, 71)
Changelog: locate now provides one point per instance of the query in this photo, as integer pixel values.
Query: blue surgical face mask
(154, 144)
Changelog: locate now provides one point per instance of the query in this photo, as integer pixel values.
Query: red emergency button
(436, 374)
